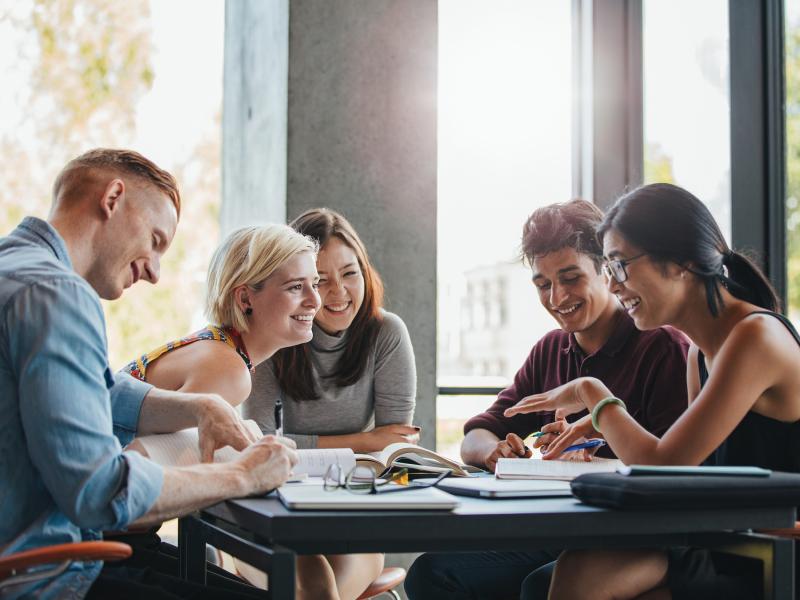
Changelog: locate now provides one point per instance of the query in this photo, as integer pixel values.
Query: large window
(84, 73)
(793, 157)
(505, 103)
(686, 100)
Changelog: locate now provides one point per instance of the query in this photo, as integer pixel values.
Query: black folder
(613, 490)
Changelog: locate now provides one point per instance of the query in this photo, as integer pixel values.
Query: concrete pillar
(254, 121)
(333, 103)
(362, 140)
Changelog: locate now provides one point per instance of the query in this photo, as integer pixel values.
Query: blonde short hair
(248, 256)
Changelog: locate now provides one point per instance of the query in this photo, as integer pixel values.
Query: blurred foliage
(87, 65)
(657, 165)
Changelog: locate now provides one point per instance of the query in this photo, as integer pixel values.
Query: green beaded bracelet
(599, 406)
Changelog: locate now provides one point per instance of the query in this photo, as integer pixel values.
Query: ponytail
(670, 224)
(745, 281)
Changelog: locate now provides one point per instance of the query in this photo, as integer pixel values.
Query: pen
(278, 416)
(533, 435)
(587, 444)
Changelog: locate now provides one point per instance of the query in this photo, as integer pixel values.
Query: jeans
(474, 575)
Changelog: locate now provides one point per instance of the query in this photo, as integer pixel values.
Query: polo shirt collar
(619, 336)
(42, 233)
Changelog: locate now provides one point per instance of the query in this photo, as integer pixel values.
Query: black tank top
(758, 440)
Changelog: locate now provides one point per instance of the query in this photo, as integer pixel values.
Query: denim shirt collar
(42, 233)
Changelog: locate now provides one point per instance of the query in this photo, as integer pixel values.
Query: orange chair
(385, 583)
(791, 532)
(14, 567)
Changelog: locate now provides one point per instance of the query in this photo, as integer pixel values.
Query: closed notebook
(564, 470)
(489, 487)
(315, 497)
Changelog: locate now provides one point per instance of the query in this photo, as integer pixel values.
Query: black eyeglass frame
(616, 269)
(372, 487)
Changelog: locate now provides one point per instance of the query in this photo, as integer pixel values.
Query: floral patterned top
(228, 335)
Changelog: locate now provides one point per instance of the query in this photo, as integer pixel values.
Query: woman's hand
(571, 397)
(382, 436)
(566, 435)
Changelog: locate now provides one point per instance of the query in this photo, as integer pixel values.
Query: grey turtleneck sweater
(385, 394)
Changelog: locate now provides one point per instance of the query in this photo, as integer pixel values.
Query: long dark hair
(293, 364)
(671, 225)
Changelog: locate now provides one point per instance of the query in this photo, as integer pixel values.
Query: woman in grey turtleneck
(354, 384)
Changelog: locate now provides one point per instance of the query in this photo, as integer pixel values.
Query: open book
(565, 470)
(414, 458)
(181, 448)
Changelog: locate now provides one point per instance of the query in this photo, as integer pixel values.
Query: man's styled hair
(248, 256)
(121, 162)
(563, 225)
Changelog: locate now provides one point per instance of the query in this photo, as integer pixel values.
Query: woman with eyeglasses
(668, 264)
(354, 384)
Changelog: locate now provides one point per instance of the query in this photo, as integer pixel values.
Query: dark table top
(483, 524)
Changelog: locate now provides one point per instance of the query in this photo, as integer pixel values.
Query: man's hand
(219, 425)
(267, 463)
(511, 447)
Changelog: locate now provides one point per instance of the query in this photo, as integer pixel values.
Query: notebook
(489, 487)
(314, 497)
(564, 470)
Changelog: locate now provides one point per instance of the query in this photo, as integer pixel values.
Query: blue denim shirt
(63, 416)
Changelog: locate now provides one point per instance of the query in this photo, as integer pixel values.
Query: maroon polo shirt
(646, 369)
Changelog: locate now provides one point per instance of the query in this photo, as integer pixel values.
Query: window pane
(504, 150)
(451, 414)
(793, 156)
(686, 100)
(144, 80)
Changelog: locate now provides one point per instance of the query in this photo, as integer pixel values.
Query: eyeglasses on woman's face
(364, 480)
(615, 269)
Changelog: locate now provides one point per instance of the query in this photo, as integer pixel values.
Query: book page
(315, 462)
(181, 448)
(566, 470)
(401, 453)
(373, 462)
(178, 449)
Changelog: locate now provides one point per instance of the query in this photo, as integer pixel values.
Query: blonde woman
(261, 296)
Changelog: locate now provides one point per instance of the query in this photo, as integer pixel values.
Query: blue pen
(587, 444)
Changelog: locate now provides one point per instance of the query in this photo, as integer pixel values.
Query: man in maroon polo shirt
(597, 338)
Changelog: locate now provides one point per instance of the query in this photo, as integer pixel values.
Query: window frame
(608, 130)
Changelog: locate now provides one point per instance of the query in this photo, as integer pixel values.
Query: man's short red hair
(123, 162)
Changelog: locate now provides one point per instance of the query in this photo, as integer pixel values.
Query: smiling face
(571, 289)
(134, 238)
(341, 286)
(284, 307)
(652, 293)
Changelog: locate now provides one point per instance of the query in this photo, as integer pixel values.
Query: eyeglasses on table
(364, 480)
